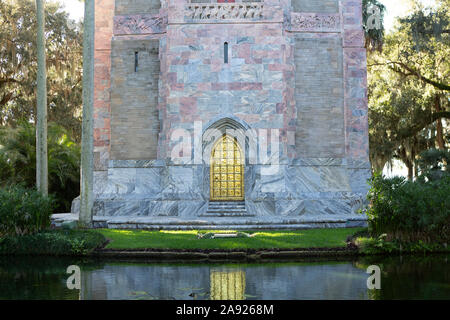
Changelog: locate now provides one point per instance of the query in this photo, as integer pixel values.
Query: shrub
(409, 211)
(376, 246)
(381, 246)
(18, 161)
(23, 211)
(53, 242)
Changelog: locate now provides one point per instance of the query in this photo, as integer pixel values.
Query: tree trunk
(403, 154)
(41, 125)
(416, 170)
(378, 162)
(439, 129)
(87, 134)
(410, 170)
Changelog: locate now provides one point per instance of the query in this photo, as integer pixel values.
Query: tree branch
(416, 73)
(412, 131)
(6, 81)
(6, 98)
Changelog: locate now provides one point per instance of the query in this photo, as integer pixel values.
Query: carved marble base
(312, 189)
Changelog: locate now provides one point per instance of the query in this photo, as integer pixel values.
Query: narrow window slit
(225, 52)
(136, 61)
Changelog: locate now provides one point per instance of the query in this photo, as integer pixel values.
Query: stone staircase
(226, 209)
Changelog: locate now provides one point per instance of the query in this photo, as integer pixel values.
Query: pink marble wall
(104, 13)
(193, 76)
(355, 85)
(198, 81)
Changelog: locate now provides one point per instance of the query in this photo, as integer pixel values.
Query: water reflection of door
(227, 171)
(227, 285)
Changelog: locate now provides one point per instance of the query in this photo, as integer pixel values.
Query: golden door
(227, 285)
(227, 171)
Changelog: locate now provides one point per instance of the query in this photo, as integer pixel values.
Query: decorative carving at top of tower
(140, 24)
(224, 11)
(315, 22)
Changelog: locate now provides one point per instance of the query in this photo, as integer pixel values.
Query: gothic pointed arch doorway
(227, 170)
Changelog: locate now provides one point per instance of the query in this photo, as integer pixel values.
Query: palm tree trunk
(87, 134)
(41, 125)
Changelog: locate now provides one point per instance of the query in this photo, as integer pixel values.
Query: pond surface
(409, 277)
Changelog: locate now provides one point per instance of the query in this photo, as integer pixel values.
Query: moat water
(407, 277)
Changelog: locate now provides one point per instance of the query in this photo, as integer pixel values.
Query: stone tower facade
(243, 114)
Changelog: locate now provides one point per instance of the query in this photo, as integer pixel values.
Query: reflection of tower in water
(227, 284)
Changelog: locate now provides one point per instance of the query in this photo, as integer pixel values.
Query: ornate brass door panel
(227, 171)
(227, 285)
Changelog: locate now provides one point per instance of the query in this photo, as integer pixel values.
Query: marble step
(227, 214)
(222, 223)
(236, 211)
(227, 209)
(227, 203)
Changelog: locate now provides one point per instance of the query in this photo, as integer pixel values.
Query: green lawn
(312, 238)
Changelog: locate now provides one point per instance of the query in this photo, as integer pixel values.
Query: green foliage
(375, 245)
(53, 242)
(434, 164)
(18, 67)
(409, 211)
(6, 170)
(428, 24)
(380, 245)
(408, 95)
(18, 158)
(23, 211)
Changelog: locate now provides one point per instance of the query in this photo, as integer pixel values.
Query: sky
(394, 8)
(75, 8)
(398, 8)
